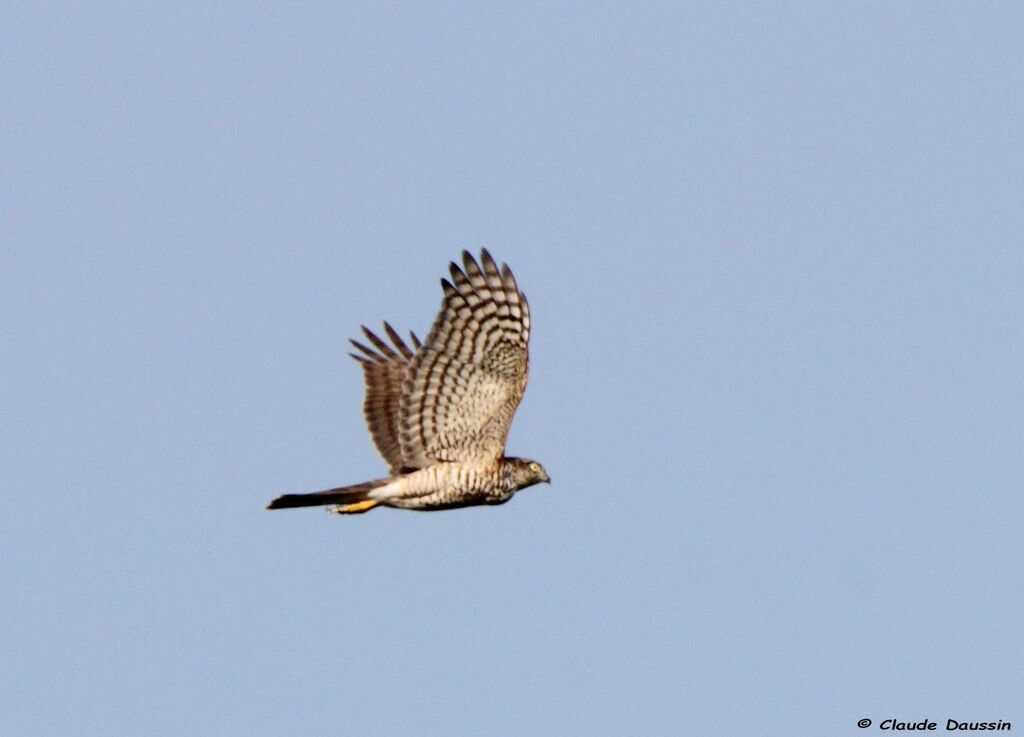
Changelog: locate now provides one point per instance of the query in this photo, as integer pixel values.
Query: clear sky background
(775, 256)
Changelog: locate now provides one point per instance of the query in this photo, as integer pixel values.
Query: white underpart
(388, 491)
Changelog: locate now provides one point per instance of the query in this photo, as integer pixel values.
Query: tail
(350, 499)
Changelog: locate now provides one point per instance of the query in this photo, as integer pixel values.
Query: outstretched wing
(463, 386)
(384, 370)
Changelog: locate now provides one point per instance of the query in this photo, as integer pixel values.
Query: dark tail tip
(290, 500)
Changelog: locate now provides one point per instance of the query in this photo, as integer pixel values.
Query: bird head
(528, 473)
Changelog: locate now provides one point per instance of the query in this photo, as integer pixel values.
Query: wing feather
(464, 383)
(384, 370)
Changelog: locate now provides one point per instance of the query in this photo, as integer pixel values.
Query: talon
(354, 507)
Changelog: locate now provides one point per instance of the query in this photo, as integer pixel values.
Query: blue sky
(774, 255)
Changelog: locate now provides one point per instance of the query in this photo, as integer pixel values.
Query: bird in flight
(439, 412)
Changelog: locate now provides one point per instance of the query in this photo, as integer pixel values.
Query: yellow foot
(354, 507)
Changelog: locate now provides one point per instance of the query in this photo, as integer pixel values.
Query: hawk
(439, 412)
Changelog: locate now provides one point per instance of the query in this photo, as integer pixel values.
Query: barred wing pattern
(384, 369)
(464, 384)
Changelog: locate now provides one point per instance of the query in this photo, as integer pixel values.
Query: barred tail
(345, 495)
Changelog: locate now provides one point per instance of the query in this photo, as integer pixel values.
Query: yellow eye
(535, 467)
